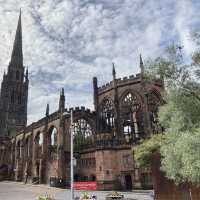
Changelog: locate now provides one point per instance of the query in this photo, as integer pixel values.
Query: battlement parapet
(105, 86)
(132, 79)
(119, 81)
(79, 109)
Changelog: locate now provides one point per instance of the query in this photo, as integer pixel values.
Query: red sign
(89, 185)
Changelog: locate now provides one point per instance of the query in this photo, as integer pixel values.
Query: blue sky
(67, 42)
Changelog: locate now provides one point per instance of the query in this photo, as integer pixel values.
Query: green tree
(180, 115)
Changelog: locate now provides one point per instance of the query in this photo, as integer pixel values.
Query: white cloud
(186, 22)
(67, 42)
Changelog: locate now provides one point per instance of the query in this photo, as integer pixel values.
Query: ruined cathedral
(125, 111)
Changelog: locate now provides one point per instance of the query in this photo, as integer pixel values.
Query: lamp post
(72, 156)
(71, 153)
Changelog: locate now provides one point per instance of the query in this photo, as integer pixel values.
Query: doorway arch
(37, 165)
(128, 182)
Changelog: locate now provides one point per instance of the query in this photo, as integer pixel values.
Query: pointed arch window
(107, 113)
(54, 137)
(82, 127)
(131, 100)
(130, 106)
(83, 133)
(39, 139)
(38, 144)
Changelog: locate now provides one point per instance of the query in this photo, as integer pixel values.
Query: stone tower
(14, 90)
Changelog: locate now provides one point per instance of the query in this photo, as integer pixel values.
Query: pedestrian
(26, 176)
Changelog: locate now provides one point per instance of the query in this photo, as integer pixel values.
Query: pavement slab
(19, 191)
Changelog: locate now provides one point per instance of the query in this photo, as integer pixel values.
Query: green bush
(144, 151)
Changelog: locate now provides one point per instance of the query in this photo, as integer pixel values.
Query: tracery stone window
(130, 106)
(82, 132)
(107, 114)
(81, 126)
(132, 101)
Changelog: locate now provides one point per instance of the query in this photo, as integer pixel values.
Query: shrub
(143, 152)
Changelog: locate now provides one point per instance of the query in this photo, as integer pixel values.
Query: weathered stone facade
(125, 112)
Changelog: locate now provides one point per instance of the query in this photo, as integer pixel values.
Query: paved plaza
(19, 191)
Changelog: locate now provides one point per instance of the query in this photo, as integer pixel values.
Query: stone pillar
(60, 160)
(41, 172)
(45, 152)
(96, 102)
(147, 122)
(116, 106)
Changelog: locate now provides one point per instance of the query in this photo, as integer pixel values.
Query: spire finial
(47, 110)
(113, 71)
(62, 100)
(141, 66)
(62, 92)
(17, 54)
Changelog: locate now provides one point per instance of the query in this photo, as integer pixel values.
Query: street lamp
(72, 153)
(72, 157)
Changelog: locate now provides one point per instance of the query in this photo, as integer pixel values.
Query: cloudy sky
(67, 42)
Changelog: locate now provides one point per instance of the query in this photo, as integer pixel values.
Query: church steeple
(14, 89)
(17, 53)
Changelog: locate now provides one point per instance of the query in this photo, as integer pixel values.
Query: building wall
(125, 112)
(104, 155)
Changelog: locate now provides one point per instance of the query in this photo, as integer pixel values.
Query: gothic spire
(113, 71)
(62, 92)
(141, 66)
(62, 100)
(17, 54)
(47, 110)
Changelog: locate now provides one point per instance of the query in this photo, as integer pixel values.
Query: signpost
(86, 185)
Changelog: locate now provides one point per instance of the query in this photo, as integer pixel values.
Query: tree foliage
(143, 152)
(180, 116)
(181, 156)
